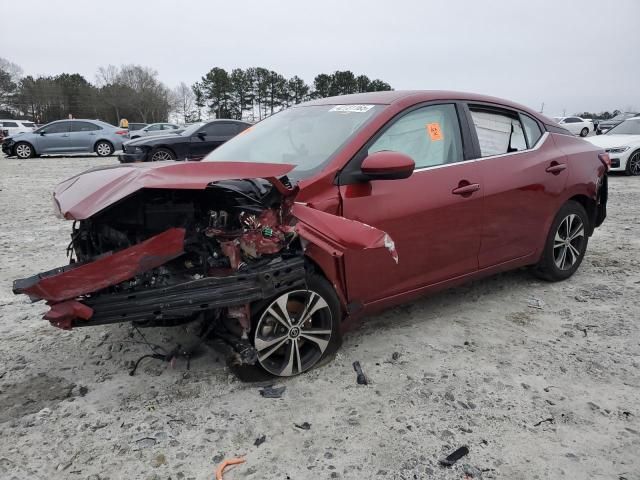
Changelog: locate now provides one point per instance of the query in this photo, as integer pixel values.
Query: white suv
(13, 127)
(576, 125)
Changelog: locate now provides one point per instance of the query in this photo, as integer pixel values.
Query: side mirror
(42, 133)
(387, 165)
(201, 135)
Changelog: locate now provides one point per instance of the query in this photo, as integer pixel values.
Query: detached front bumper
(7, 147)
(126, 157)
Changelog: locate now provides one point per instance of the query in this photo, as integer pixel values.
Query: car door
(209, 137)
(83, 136)
(53, 138)
(573, 125)
(522, 177)
(433, 217)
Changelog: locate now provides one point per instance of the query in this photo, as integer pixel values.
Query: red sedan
(325, 212)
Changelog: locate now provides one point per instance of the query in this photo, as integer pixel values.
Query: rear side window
(429, 135)
(498, 132)
(28, 124)
(83, 127)
(154, 128)
(9, 124)
(531, 129)
(219, 129)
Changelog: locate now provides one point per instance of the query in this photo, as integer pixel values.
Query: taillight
(122, 132)
(606, 161)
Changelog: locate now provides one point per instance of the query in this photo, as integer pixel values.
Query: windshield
(190, 130)
(306, 137)
(628, 127)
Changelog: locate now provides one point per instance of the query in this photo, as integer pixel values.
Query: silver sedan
(67, 136)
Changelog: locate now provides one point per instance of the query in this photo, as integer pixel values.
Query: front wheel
(633, 164)
(566, 243)
(23, 151)
(104, 149)
(162, 154)
(298, 328)
(584, 132)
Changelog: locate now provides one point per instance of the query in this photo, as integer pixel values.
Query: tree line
(136, 93)
(257, 92)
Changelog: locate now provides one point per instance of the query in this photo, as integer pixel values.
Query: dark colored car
(192, 143)
(605, 125)
(324, 213)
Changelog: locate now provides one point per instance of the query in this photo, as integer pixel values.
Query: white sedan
(622, 143)
(576, 125)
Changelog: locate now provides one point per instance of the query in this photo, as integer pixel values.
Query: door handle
(465, 188)
(556, 168)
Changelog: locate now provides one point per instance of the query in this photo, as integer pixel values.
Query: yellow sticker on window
(434, 131)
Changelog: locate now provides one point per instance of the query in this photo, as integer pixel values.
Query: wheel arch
(590, 207)
(113, 147)
(166, 147)
(331, 268)
(33, 147)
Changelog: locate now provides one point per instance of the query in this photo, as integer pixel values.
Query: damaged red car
(321, 214)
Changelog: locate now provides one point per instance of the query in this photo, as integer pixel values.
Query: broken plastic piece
(110, 269)
(361, 378)
(272, 392)
(62, 314)
(227, 463)
(453, 457)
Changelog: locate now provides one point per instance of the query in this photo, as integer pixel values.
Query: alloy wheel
(293, 332)
(161, 155)
(23, 151)
(103, 149)
(634, 163)
(568, 242)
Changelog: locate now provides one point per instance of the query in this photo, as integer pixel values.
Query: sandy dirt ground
(539, 380)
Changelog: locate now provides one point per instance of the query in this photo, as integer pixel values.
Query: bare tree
(183, 102)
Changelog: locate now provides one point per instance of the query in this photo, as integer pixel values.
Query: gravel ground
(539, 380)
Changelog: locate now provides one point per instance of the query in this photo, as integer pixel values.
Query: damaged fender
(336, 234)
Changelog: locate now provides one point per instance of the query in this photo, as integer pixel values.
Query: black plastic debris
(550, 420)
(260, 440)
(361, 378)
(453, 457)
(303, 426)
(395, 356)
(272, 392)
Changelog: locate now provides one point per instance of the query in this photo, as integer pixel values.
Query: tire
(584, 132)
(561, 258)
(284, 349)
(103, 148)
(633, 164)
(161, 155)
(24, 150)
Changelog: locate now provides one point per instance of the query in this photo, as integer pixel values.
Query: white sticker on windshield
(352, 108)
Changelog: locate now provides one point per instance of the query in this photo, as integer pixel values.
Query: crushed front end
(168, 256)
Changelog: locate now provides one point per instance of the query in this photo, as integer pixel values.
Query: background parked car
(576, 125)
(193, 143)
(136, 126)
(13, 127)
(154, 129)
(606, 125)
(66, 136)
(622, 143)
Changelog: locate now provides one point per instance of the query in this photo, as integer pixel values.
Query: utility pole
(542, 108)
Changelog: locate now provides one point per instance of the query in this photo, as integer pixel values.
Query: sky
(573, 56)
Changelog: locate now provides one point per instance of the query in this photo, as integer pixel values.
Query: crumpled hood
(610, 141)
(92, 191)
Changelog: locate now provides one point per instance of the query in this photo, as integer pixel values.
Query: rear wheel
(298, 328)
(23, 150)
(162, 154)
(566, 243)
(584, 132)
(633, 164)
(104, 148)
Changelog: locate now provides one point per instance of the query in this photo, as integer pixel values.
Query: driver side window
(429, 135)
(61, 127)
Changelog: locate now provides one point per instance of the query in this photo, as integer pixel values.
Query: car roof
(411, 97)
